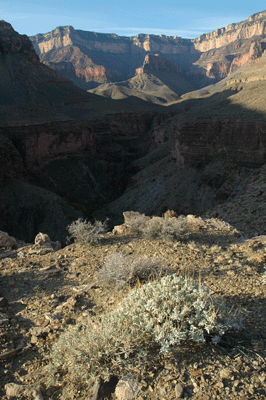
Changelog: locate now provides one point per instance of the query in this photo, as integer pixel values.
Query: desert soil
(42, 294)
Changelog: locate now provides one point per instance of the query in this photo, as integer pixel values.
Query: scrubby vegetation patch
(159, 316)
(83, 231)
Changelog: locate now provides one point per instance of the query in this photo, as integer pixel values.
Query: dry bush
(120, 271)
(83, 232)
(170, 214)
(157, 317)
(137, 224)
(160, 228)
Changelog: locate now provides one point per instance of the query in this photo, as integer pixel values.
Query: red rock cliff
(109, 58)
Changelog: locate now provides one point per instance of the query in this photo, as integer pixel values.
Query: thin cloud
(152, 31)
(12, 17)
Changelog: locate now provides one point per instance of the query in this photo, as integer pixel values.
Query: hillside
(170, 304)
(158, 81)
(45, 294)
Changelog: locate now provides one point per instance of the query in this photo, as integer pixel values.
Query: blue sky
(187, 19)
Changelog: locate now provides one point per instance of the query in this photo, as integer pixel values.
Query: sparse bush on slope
(120, 271)
(82, 231)
(158, 316)
(159, 228)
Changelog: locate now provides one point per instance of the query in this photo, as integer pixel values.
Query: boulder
(120, 230)
(129, 215)
(43, 240)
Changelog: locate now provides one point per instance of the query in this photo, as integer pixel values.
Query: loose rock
(179, 391)
(127, 388)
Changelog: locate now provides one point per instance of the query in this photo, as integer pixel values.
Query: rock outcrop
(7, 241)
(158, 81)
(11, 42)
(205, 140)
(154, 63)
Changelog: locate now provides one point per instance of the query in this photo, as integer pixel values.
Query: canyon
(190, 138)
(90, 58)
(166, 127)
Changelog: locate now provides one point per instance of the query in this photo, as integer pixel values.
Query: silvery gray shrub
(160, 315)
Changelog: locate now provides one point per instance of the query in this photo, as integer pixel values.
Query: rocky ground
(44, 290)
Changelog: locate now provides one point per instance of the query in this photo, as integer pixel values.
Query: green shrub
(158, 316)
(82, 231)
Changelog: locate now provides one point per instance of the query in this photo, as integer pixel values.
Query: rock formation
(154, 63)
(255, 25)
(158, 81)
(63, 147)
(90, 58)
(102, 58)
(41, 135)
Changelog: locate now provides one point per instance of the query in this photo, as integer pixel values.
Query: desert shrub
(158, 316)
(137, 224)
(120, 271)
(170, 214)
(263, 278)
(82, 231)
(160, 228)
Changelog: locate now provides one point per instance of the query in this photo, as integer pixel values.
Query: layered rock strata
(100, 58)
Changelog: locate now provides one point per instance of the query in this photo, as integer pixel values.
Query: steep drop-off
(43, 143)
(104, 157)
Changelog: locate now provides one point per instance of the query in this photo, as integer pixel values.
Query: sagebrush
(158, 316)
(160, 228)
(83, 231)
(119, 270)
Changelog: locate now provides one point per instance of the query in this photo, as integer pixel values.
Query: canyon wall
(155, 63)
(102, 58)
(255, 25)
(202, 140)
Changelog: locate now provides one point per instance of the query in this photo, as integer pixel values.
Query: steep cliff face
(25, 79)
(155, 63)
(221, 62)
(254, 26)
(11, 162)
(104, 58)
(234, 141)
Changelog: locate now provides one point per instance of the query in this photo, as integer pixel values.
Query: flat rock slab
(14, 391)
